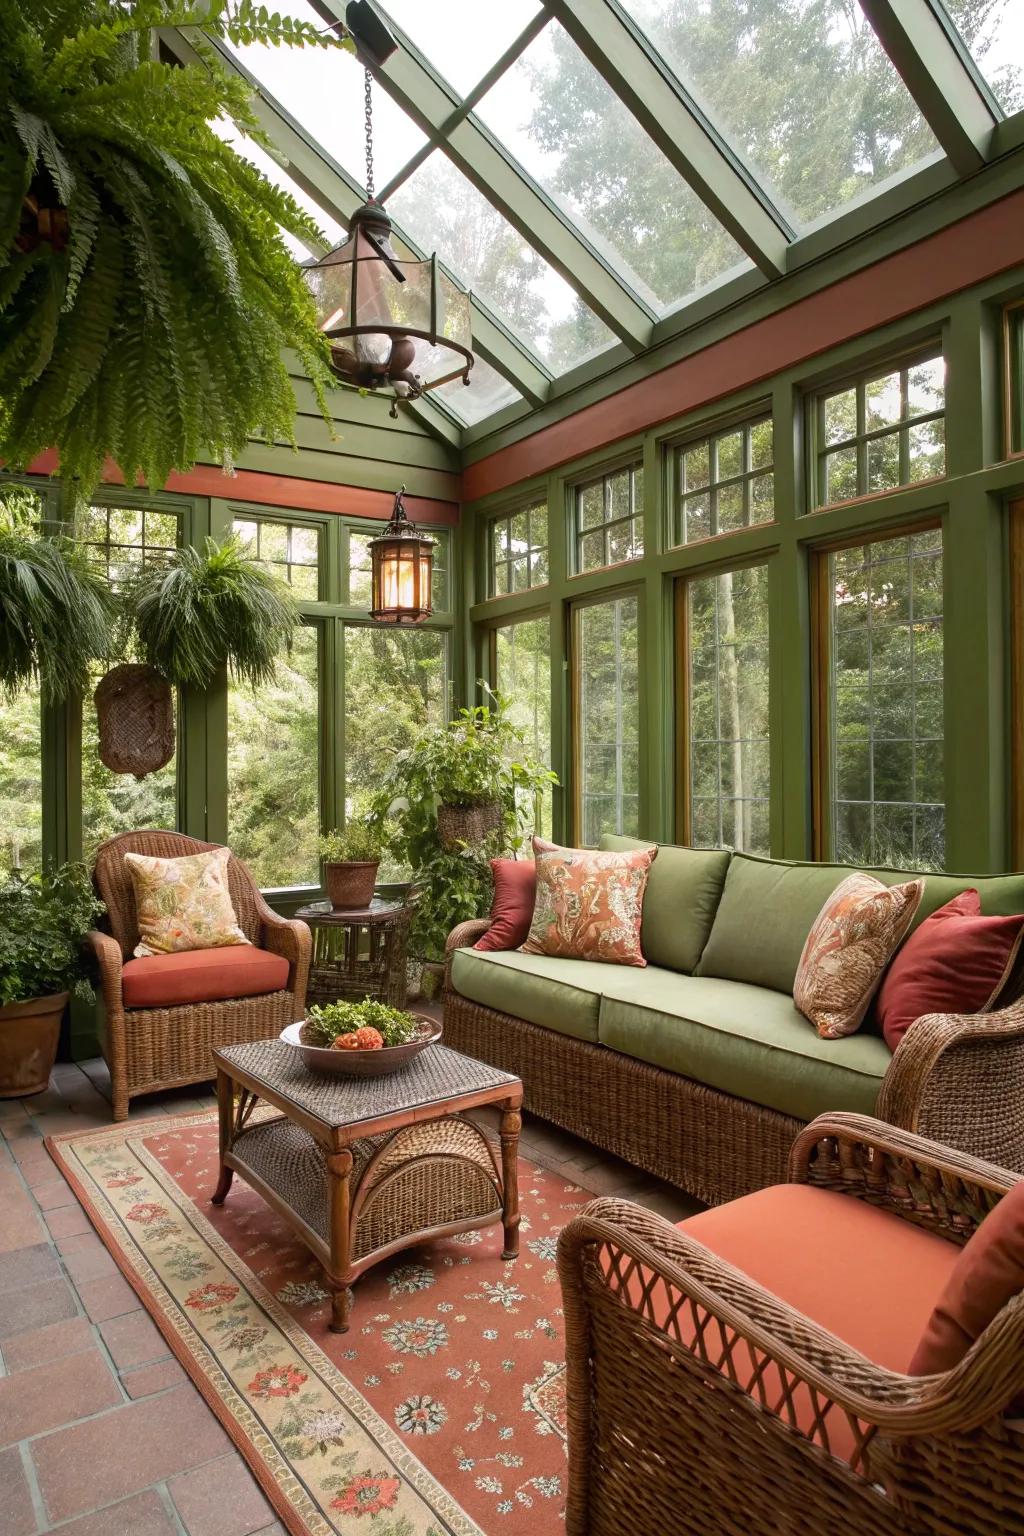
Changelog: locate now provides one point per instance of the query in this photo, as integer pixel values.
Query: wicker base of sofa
(714, 1146)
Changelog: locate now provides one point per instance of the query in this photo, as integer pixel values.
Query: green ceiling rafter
(618, 50)
(940, 75)
(434, 106)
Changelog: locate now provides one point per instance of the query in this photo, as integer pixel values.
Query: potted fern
(351, 858)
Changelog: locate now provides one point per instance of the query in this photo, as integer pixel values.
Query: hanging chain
(368, 98)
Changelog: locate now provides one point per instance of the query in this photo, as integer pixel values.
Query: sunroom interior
(728, 514)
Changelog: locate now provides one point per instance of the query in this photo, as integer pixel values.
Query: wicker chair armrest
(290, 937)
(461, 937)
(109, 962)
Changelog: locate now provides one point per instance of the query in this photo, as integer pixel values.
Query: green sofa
(698, 1067)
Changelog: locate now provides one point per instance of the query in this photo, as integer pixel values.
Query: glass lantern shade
(402, 562)
(394, 323)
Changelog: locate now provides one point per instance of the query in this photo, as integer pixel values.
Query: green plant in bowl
(325, 1022)
(355, 843)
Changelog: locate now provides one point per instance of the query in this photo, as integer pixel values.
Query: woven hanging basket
(458, 824)
(135, 712)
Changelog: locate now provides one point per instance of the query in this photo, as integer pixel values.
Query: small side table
(359, 953)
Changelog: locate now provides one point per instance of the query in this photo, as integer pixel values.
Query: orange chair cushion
(202, 976)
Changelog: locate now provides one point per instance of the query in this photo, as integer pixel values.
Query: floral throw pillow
(183, 903)
(851, 941)
(589, 904)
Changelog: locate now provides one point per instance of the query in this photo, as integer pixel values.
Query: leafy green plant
(357, 842)
(146, 292)
(198, 610)
(326, 1021)
(55, 610)
(43, 922)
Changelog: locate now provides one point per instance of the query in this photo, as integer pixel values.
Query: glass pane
(994, 33)
(21, 783)
(840, 416)
(608, 679)
(359, 569)
(696, 517)
(120, 539)
(696, 467)
(883, 405)
(926, 387)
(592, 551)
(729, 770)
(118, 802)
(573, 135)
(289, 550)
(449, 34)
(273, 769)
(486, 393)
(735, 457)
(841, 475)
(396, 682)
(523, 675)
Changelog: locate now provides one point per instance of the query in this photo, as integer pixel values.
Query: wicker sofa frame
(652, 1316)
(148, 1049)
(956, 1078)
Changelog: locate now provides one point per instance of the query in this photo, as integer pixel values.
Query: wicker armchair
(148, 1049)
(699, 1401)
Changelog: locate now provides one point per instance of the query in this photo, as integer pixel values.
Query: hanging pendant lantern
(402, 562)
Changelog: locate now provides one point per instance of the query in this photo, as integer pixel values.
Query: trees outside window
(606, 717)
(725, 481)
(522, 675)
(396, 683)
(882, 430)
(609, 519)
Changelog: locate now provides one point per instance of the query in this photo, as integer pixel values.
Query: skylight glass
(459, 42)
(442, 211)
(568, 129)
(994, 33)
(488, 391)
(803, 90)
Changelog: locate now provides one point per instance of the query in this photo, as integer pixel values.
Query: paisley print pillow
(183, 903)
(851, 941)
(589, 904)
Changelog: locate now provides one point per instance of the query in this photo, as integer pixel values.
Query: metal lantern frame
(401, 541)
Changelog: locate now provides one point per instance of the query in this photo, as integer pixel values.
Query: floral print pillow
(183, 903)
(589, 904)
(851, 942)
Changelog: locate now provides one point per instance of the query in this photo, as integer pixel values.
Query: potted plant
(43, 922)
(351, 858)
(471, 763)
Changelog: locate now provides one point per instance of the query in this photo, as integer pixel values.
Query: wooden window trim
(1016, 577)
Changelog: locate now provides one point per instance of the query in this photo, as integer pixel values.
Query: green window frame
(109, 544)
(517, 550)
(876, 431)
(725, 480)
(519, 668)
(606, 727)
(1013, 379)
(608, 518)
(288, 547)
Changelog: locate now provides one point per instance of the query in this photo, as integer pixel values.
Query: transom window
(517, 548)
(881, 431)
(609, 524)
(120, 539)
(725, 481)
(290, 550)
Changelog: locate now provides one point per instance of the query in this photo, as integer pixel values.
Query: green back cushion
(768, 907)
(682, 895)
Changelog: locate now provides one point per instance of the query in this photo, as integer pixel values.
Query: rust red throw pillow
(589, 904)
(988, 1273)
(956, 962)
(515, 890)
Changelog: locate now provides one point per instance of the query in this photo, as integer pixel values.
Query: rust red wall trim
(975, 248)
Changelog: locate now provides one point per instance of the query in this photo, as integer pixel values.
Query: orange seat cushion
(202, 976)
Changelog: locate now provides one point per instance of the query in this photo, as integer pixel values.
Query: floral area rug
(440, 1413)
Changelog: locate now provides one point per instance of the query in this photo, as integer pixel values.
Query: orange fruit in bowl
(365, 1039)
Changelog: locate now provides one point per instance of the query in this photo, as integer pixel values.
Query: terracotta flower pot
(29, 1033)
(469, 824)
(351, 885)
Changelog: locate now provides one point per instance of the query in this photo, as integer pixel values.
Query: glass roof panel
(568, 129)
(322, 88)
(462, 45)
(994, 33)
(803, 90)
(442, 211)
(488, 391)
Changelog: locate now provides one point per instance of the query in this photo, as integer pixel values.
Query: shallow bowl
(390, 1058)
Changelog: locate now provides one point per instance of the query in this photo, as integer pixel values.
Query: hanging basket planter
(135, 713)
(470, 824)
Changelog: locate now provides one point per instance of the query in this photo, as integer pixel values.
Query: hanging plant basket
(135, 712)
(458, 824)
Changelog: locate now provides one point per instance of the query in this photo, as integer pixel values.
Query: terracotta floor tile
(54, 1193)
(109, 1296)
(27, 1266)
(144, 1515)
(133, 1339)
(40, 1399)
(152, 1378)
(220, 1499)
(53, 1342)
(39, 1170)
(35, 1306)
(12, 1109)
(19, 1516)
(67, 1221)
(85, 1257)
(20, 1227)
(86, 1465)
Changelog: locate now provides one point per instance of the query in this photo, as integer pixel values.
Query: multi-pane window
(606, 647)
(609, 523)
(290, 550)
(21, 782)
(120, 539)
(725, 481)
(522, 675)
(882, 431)
(360, 568)
(517, 550)
(727, 702)
(885, 643)
(396, 683)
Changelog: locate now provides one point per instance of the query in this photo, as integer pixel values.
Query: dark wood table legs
(511, 1123)
(339, 1170)
(225, 1117)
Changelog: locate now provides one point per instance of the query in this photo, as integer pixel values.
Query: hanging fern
(146, 322)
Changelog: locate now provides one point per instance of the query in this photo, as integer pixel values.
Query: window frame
(241, 512)
(532, 616)
(630, 464)
(1013, 379)
(574, 711)
(709, 433)
(533, 504)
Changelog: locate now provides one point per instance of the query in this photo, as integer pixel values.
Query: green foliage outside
(607, 640)
(43, 921)
(354, 843)
(325, 1022)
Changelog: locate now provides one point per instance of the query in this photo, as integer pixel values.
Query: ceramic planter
(29, 1033)
(350, 885)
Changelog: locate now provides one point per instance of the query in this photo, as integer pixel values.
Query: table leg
(511, 1121)
(339, 1170)
(225, 1113)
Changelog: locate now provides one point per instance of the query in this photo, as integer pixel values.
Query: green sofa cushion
(768, 907)
(682, 895)
(743, 1040)
(563, 995)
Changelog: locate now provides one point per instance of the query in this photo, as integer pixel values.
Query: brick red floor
(101, 1431)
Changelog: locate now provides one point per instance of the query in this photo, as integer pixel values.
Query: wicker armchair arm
(290, 937)
(461, 937)
(109, 961)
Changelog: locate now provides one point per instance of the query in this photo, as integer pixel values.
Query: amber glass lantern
(402, 565)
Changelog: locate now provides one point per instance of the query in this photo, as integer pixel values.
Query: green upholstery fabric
(563, 995)
(743, 1040)
(768, 907)
(682, 895)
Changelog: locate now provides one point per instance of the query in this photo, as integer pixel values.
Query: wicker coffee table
(363, 1167)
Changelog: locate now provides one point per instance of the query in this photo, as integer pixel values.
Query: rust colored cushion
(956, 962)
(589, 904)
(988, 1273)
(202, 976)
(515, 891)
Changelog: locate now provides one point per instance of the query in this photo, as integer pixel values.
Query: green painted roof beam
(617, 49)
(940, 75)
